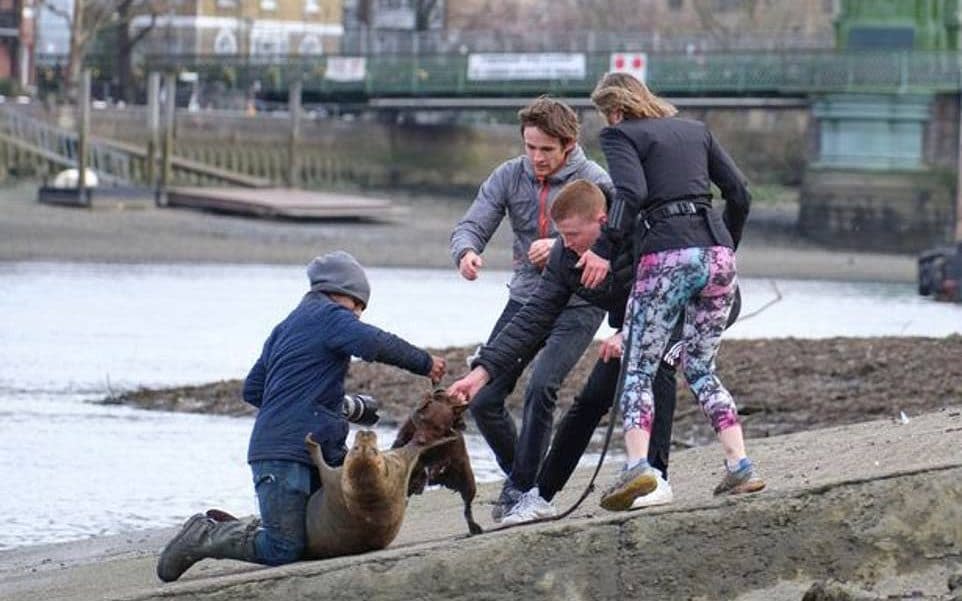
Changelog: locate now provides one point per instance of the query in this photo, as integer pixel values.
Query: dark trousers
(579, 422)
(520, 456)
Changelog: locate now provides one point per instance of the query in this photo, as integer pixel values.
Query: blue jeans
(520, 456)
(283, 488)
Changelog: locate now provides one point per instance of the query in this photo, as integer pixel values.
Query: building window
(310, 44)
(311, 7)
(226, 3)
(225, 43)
(269, 43)
(675, 4)
(268, 4)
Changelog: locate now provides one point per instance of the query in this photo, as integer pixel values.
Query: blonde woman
(662, 167)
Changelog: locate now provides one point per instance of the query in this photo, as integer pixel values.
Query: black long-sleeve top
(524, 335)
(653, 162)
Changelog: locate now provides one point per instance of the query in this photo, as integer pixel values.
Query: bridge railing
(368, 41)
(731, 73)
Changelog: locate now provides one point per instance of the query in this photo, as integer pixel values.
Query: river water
(71, 333)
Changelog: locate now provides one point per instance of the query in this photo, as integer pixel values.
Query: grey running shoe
(631, 484)
(508, 498)
(662, 495)
(531, 506)
(743, 480)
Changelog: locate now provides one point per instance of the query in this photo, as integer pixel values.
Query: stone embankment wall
(432, 153)
(904, 209)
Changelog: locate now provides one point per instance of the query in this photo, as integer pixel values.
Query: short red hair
(580, 198)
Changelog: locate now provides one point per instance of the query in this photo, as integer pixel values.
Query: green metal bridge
(719, 74)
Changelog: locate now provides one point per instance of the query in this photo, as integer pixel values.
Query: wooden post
(294, 106)
(83, 133)
(153, 126)
(167, 148)
(958, 165)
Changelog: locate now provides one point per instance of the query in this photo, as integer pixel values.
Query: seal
(360, 505)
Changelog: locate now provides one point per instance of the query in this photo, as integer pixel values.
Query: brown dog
(439, 416)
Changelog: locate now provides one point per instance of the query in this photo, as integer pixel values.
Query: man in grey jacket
(524, 188)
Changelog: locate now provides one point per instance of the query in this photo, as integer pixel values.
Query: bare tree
(423, 13)
(126, 41)
(89, 18)
(729, 20)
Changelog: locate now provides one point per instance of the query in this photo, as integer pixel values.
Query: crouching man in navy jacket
(297, 385)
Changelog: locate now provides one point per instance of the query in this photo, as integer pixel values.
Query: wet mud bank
(781, 385)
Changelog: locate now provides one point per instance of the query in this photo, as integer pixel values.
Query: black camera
(360, 409)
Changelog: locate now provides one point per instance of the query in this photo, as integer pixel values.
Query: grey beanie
(340, 273)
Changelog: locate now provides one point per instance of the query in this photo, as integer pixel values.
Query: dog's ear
(423, 404)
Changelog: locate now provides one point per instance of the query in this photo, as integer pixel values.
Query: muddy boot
(219, 515)
(203, 537)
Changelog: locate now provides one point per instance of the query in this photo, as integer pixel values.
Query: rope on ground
(778, 298)
(584, 495)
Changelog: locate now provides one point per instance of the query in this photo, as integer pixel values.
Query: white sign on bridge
(525, 66)
(346, 68)
(632, 63)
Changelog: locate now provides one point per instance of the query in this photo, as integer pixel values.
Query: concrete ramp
(878, 505)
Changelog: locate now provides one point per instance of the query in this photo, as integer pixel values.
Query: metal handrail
(60, 146)
(110, 159)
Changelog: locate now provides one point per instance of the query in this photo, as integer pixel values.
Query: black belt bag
(673, 208)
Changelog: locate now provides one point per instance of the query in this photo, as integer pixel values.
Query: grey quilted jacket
(513, 190)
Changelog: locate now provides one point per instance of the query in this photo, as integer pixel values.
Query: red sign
(633, 63)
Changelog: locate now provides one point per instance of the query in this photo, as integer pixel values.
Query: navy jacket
(655, 162)
(298, 381)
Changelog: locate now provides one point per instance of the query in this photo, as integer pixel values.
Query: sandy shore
(127, 228)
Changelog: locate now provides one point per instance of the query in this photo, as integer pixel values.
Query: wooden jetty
(280, 203)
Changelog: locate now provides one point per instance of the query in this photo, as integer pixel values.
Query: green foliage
(772, 194)
(229, 76)
(273, 77)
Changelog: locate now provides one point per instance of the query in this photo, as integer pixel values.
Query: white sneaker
(529, 507)
(662, 495)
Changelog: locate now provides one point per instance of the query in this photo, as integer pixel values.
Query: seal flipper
(327, 473)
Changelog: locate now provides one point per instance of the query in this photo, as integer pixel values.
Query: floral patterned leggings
(701, 282)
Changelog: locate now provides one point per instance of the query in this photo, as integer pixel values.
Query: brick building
(247, 27)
